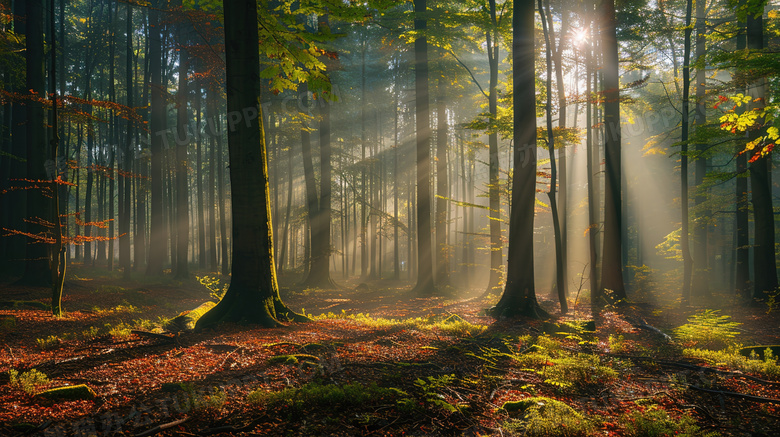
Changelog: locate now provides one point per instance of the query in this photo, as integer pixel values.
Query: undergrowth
(453, 325)
(28, 382)
(656, 422)
(541, 416)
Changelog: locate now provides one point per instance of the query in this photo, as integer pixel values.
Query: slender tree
(519, 297)
(425, 281)
(157, 234)
(611, 267)
(684, 240)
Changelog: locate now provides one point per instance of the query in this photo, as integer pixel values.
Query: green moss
(186, 320)
(292, 359)
(68, 393)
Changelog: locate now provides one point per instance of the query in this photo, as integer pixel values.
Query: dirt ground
(442, 381)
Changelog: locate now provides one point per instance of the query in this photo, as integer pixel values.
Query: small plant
(216, 291)
(430, 388)
(120, 331)
(543, 416)
(767, 367)
(91, 333)
(656, 422)
(207, 402)
(616, 343)
(29, 381)
(50, 342)
(708, 330)
(119, 309)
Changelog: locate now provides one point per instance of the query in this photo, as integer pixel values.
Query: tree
(700, 287)
(182, 142)
(494, 278)
(611, 267)
(37, 270)
(764, 262)
(425, 283)
(519, 297)
(157, 235)
(685, 242)
(559, 266)
(253, 294)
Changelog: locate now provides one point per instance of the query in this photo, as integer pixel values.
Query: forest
(339, 217)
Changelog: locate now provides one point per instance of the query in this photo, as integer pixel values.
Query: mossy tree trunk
(253, 295)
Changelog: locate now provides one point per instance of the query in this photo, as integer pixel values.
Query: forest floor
(376, 361)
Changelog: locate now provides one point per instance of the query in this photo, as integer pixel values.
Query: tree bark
(36, 270)
(611, 268)
(157, 235)
(182, 144)
(519, 297)
(701, 272)
(425, 282)
(764, 262)
(253, 294)
(442, 189)
(494, 199)
(684, 240)
(559, 266)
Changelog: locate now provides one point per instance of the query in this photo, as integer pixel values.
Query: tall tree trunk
(563, 183)
(211, 114)
(592, 154)
(442, 189)
(685, 245)
(36, 270)
(182, 144)
(496, 267)
(113, 140)
(559, 266)
(253, 294)
(611, 268)
(125, 181)
(202, 249)
(519, 297)
(57, 253)
(764, 262)
(158, 236)
(701, 269)
(742, 238)
(425, 282)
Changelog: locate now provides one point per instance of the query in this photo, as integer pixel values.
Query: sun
(579, 35)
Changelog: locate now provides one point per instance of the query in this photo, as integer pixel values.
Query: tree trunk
(182, 144)
(611, 268)
(125, 181)
(36, 270)
(519, 297)
(686, 253)
(442, 189)
(253, 294)
(157, 237)
(425, 282)
(559, 266)
(701, 269)
(742, 238)
(593, 205)
(496, 267)
(764, 262)
(202, 249)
